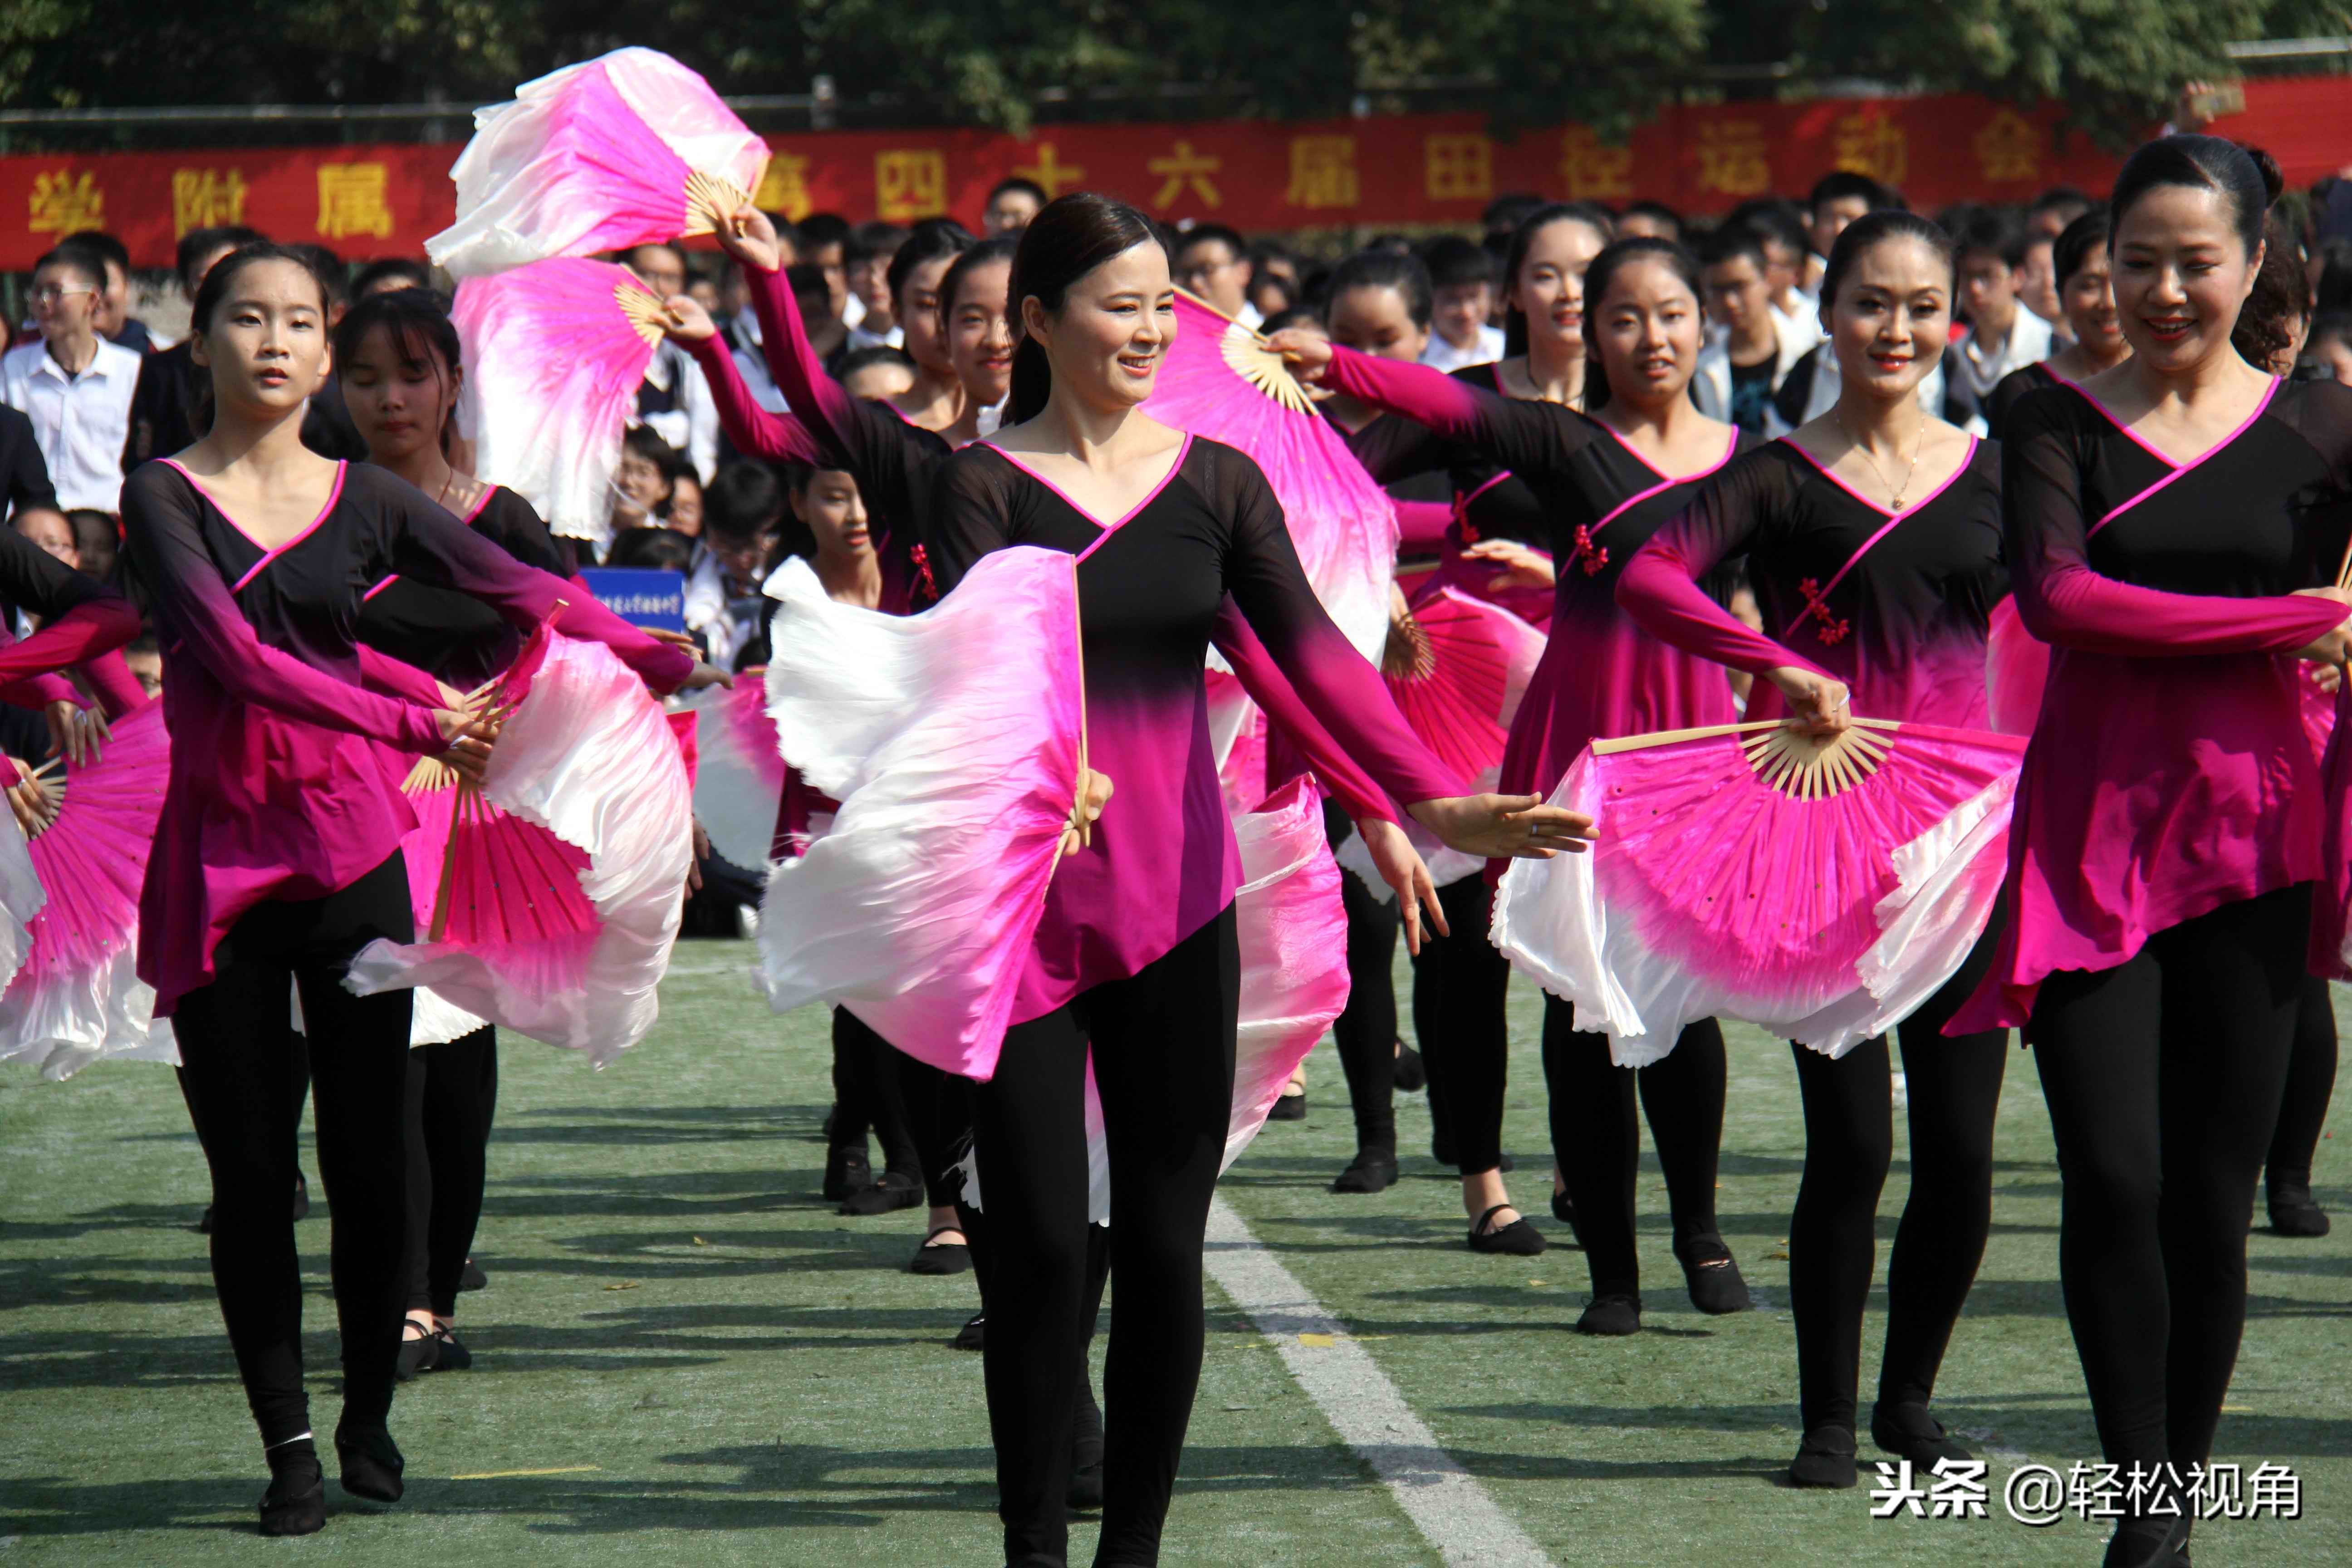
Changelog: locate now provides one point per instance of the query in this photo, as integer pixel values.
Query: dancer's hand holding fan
(627, 149)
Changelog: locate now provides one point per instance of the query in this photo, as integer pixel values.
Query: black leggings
(235, 1046)
(2310, 1081)
(865, 1094)
(937, 1108)
(1596, 1137)
(453, 1092)
(1366, 1030)
(2163, 1077)
(1163, 1061)
(1459, 985)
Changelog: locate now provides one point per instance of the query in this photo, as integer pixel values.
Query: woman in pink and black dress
(1874, 546)
(1136, 954)
(2164, 519)
(1603, 483)
(278, 854)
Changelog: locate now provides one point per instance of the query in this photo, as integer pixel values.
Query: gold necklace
(1896, 504)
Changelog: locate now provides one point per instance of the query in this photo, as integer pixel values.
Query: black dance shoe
(940, 1257)
(2293, 1212)
(1086, 1490)
(892, 1193)
(2147, 1543)
(1825, 1459)
(371, 1463)
(847, 1171)
(972, 1336)
(1371, 1171)
(296, 1502)
(1908, 1432)
(1517, 1239)
(1289, 1108)
(1411, 1074)
(449, 1354)
(1612, 1316)
(471, 1277)
(419, 1354)
(1712, 1274)
(301, 1198)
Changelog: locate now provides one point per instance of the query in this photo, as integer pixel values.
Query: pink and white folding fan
(1460, 688)
(2330, 955)
(558, 896)
(623, 150)
(952, 740)
(77, 997)
(1821, 887)
(2017, 666)
(554, 354)
(743, 773)
(1220, 381)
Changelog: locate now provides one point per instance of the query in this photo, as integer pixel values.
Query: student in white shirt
(1786, 242)
(1464, 277)
(675, 402)
(2002, 335)
(865, 261)
(74, 386)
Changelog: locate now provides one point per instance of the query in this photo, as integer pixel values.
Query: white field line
(1444, 1500)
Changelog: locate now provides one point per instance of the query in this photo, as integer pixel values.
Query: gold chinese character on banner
(65, 203)
(1458, 168)
(1183, 168)
(207, 199)
(1591, 170)
(352, 200)
(1867, 144)
(1733, 158)
(1049, 171)
(1322, 172)
(2009, 148)
(910, 182)
(785, 188)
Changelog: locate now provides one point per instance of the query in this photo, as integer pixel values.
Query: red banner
(1257, 175)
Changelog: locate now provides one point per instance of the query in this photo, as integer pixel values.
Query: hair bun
(2273, 182)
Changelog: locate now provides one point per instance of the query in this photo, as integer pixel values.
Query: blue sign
(654, 600)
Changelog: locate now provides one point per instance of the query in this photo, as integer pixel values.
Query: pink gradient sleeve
(2067, 602)
(118, 690)
(1271, 690)
(830, 415)
(756, 432)
(90, 628)
(381, 672)
(1422, 525)
(1532, 438)
(1660, 586)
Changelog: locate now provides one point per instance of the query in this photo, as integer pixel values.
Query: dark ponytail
(1873, 229)
(1605, 266)
(1590, 214)
(1069, 239)
(2247, 177)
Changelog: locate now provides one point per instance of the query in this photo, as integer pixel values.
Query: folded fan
(952, 740)
(627, 149)
(554, 354)
(1220, 381)
(563, 880)
(1822, 888)
(77, 997)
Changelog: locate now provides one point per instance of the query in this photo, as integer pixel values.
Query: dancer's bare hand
(1521, 567)
(705, 674)
(1308, 353)
(688, 321)
(30, 800)
(466, 742)
(1817, 704)
(1402, 869)
(750, 236)
(1515, 826)
(1093, 794)
(76, 732)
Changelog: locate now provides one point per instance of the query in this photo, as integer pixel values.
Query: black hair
(1777, 218)
(2058, 196)
(1454, 262)
(411, 272)
(1506, 212)
(1000, 249)
(809, 286)
(334, 274)
(927, 241)
(1387, 269)
(418, 322)
(651, 549)
(2280, 298)
(821, 229)
(647, 443)
(2245, 177)
(868, 240)
(1874, 229)
(1590, 214)
(2075, 242)
(788, 235)
(1069, 239)
(685, 264)
(1996, 231)
(198, 243)
(742, 501)
(1027, 188)
(1613, 258)
(216, 286)
(1265, 250)
(855, 360)
(1658, 210)
(1730, 241)
(81, 258)
(102, 245)
(1840, 184)
(1201, 233)
(1296, 316)
(2326, 324)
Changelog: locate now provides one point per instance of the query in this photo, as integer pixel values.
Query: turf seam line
(1444, 1500)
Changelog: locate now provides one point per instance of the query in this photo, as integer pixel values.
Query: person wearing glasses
(1213, 262)
(74, 386)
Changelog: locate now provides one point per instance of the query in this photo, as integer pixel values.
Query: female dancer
(397, 357)
(938, 397)
(1605, 481)
(278, 854)
(1873, 538)
(2162, 518)
(1135, 954)
(2087, 293)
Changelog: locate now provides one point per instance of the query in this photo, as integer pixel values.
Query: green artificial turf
(704, 1364)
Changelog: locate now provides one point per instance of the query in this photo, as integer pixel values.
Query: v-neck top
(2168, 773)
(451, 636)
(1601, 675)
(1895, 604)
(1204, 550)
(276, 709)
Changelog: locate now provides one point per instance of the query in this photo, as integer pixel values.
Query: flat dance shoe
(1411, 1074)
(471, 1277)
(417, 1354)
(937, 1256)
(2293, 1212)
(973, 1335)
(1289, 1108)
(1516, 1239)
(2147, 1543)
(1371, 1171)
(301, 1198)
(1612, 1316)
(892, 1193)
(847, 1171)
(449, 1354)
(296, 1502)
(1713, 1277)
(1908, 1432)
(371, 1463)
(1825, 1459)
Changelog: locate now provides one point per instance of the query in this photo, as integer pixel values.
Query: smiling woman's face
(2181, 273)
(1892, 316)
(1107, 343)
